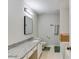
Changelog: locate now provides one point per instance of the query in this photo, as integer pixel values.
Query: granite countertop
(21, 50)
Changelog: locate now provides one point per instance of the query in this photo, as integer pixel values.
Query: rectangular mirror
(28, 25)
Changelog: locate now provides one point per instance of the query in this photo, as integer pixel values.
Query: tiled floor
(51, 55)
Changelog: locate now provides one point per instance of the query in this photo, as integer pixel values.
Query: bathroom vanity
(31, 49)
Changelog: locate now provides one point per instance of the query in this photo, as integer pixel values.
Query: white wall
(35, 25)
(44, 21)
(16, 22)
(64, 16)
(64, 20)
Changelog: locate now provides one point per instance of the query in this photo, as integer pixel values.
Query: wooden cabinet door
(39, 50)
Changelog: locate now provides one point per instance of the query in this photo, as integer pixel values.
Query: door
(51, 35)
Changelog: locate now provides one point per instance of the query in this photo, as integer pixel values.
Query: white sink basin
(35, 40)
(12, 58)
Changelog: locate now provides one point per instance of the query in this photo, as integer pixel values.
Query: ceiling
(45, 6)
